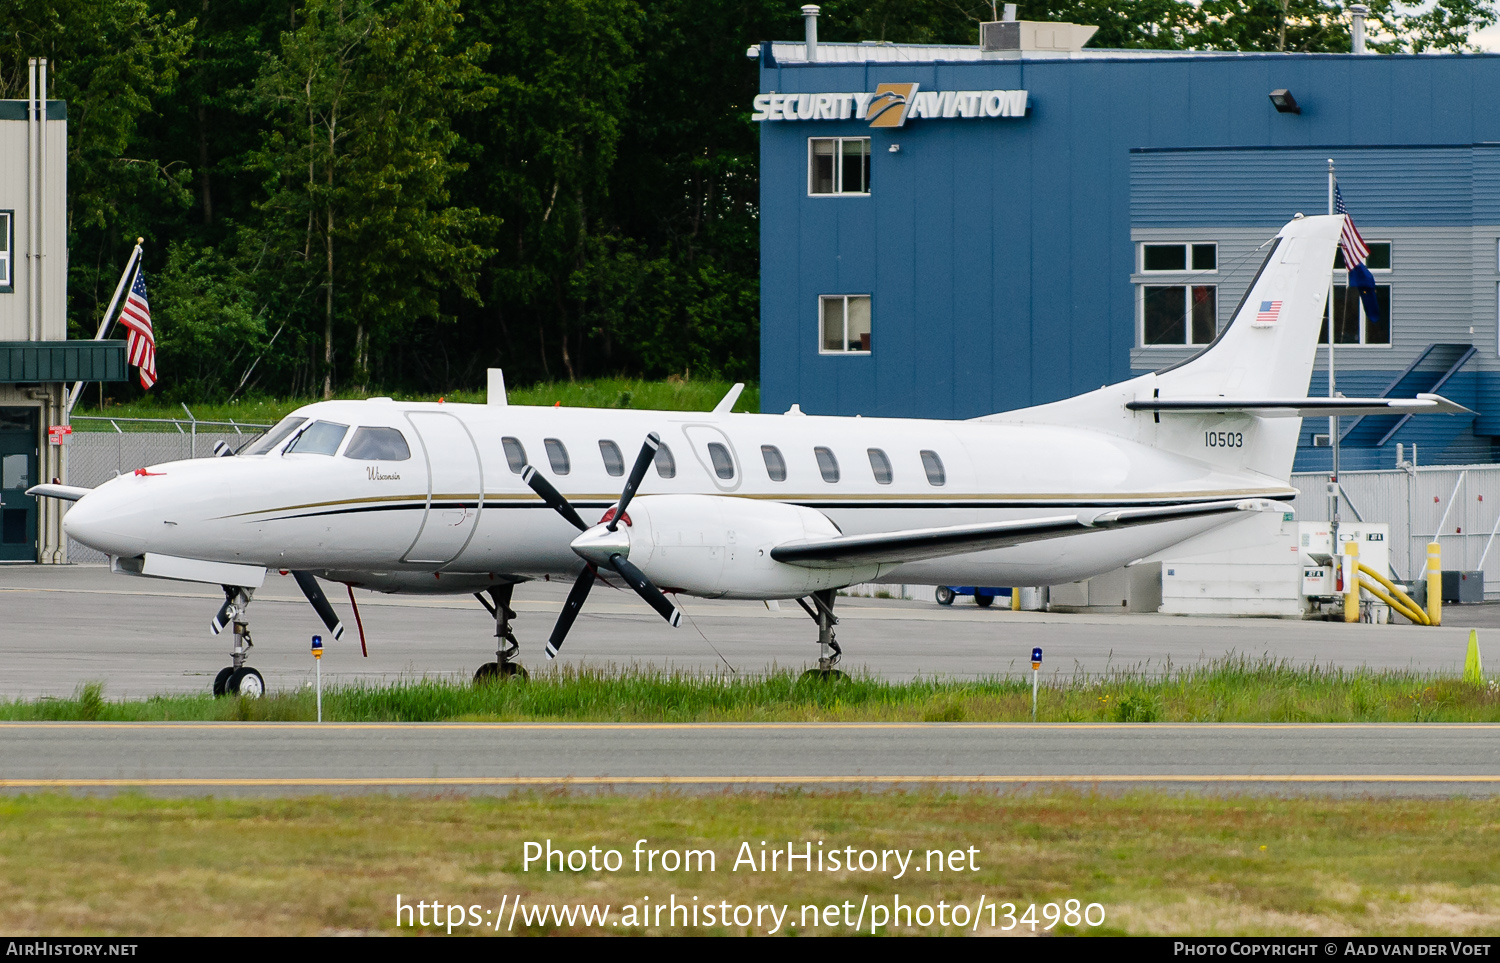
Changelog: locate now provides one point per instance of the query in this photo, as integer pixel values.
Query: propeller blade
(552, 497)
(309, 586)
(646, 590)
(642, 462)
(570, 610)
(226, 612)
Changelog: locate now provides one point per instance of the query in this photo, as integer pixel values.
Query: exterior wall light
(1285, 102)
(894, 148)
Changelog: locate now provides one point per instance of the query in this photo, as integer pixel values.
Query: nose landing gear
(237, 678)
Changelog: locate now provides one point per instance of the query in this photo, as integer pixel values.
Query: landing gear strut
(506, 646)
(237, 678)
(829, 652)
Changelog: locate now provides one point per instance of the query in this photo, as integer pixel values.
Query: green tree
(357, 163)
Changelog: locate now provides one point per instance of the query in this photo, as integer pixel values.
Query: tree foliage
(400, 193)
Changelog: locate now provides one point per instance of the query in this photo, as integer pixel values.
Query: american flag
(1355, 248)
(140, 341)
(1267, 314)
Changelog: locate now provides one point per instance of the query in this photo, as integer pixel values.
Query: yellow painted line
(400, 781)
(783, 726)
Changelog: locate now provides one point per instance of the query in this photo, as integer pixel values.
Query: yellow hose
(1410, 614)
(1390, 587)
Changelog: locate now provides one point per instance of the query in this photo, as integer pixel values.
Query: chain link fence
(101, 448)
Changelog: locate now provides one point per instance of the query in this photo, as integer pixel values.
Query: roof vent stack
(1357, 13)
(810, 18)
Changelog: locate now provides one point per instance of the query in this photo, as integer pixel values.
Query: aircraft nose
(102, 521)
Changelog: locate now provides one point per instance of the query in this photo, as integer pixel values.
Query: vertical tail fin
(1266, 351)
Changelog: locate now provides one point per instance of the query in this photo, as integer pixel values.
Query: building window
(827, 464)
(1178, 314)
(1161, 258)
(7, 244)
(614, 462)
(1379, 259)
(515, 454)
(838, 165)
(557, 454)
(846, 323)
(933, 465)
(1352, 324)
(775, 464)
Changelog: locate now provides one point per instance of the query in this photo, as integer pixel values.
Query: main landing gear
(829, 652)
(237, 678)
(506, 646)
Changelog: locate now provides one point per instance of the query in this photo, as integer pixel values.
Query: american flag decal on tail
(140, 341)
(1266, 316)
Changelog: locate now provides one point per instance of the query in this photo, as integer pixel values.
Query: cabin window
(319, 438)
(881, 466)
(614, 462)
(515, 454)
(378, 444)
(827, 464)
(557, 454)
(933, 465)
(276, 435)
(723, 464)
(775, 464)
(666, 465)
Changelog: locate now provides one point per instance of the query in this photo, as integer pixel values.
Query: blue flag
(1361, 280)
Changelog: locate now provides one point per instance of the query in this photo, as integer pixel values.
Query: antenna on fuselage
(496, 395)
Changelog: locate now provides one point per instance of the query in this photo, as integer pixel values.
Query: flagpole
(109, 315)
(1333, 420)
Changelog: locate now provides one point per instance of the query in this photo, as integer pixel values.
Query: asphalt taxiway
(299, 758)
(61, 626)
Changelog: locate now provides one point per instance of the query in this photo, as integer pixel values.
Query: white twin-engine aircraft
(447, 498)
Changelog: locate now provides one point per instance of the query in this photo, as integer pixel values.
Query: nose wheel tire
(221, 681)
(499, 672)
(823, 675)
(246, 682)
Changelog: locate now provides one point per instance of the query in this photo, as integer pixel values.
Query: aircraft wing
(68, 493)
(1422, 404)
(919, 544)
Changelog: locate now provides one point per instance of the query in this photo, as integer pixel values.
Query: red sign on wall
(58, 434)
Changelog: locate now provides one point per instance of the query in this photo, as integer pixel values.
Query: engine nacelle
(719, 546)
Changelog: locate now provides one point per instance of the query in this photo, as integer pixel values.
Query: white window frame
(858, 352)
(838, 167)
(7, 248)
(1187, 246)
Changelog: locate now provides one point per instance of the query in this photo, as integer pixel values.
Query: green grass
(1230, 690)
(1157, 863)
(672, 395)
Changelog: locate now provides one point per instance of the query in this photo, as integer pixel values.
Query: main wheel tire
(983, 601)
(221, 681)
(823, 675)
(246, 682)
(944, 595)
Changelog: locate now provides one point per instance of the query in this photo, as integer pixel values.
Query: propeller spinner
(602, 545)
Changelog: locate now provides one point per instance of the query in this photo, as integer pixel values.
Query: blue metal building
(952, 231)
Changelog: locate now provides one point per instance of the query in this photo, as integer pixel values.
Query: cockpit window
(378, 444)
(276, 435)
(319, 438)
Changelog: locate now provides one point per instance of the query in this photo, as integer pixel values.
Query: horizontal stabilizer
(1422, 404)
(68, 493)
(924, 543)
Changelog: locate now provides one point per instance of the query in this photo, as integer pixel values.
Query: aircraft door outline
(455, 488)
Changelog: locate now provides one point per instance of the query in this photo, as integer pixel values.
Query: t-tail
(1237, 404)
